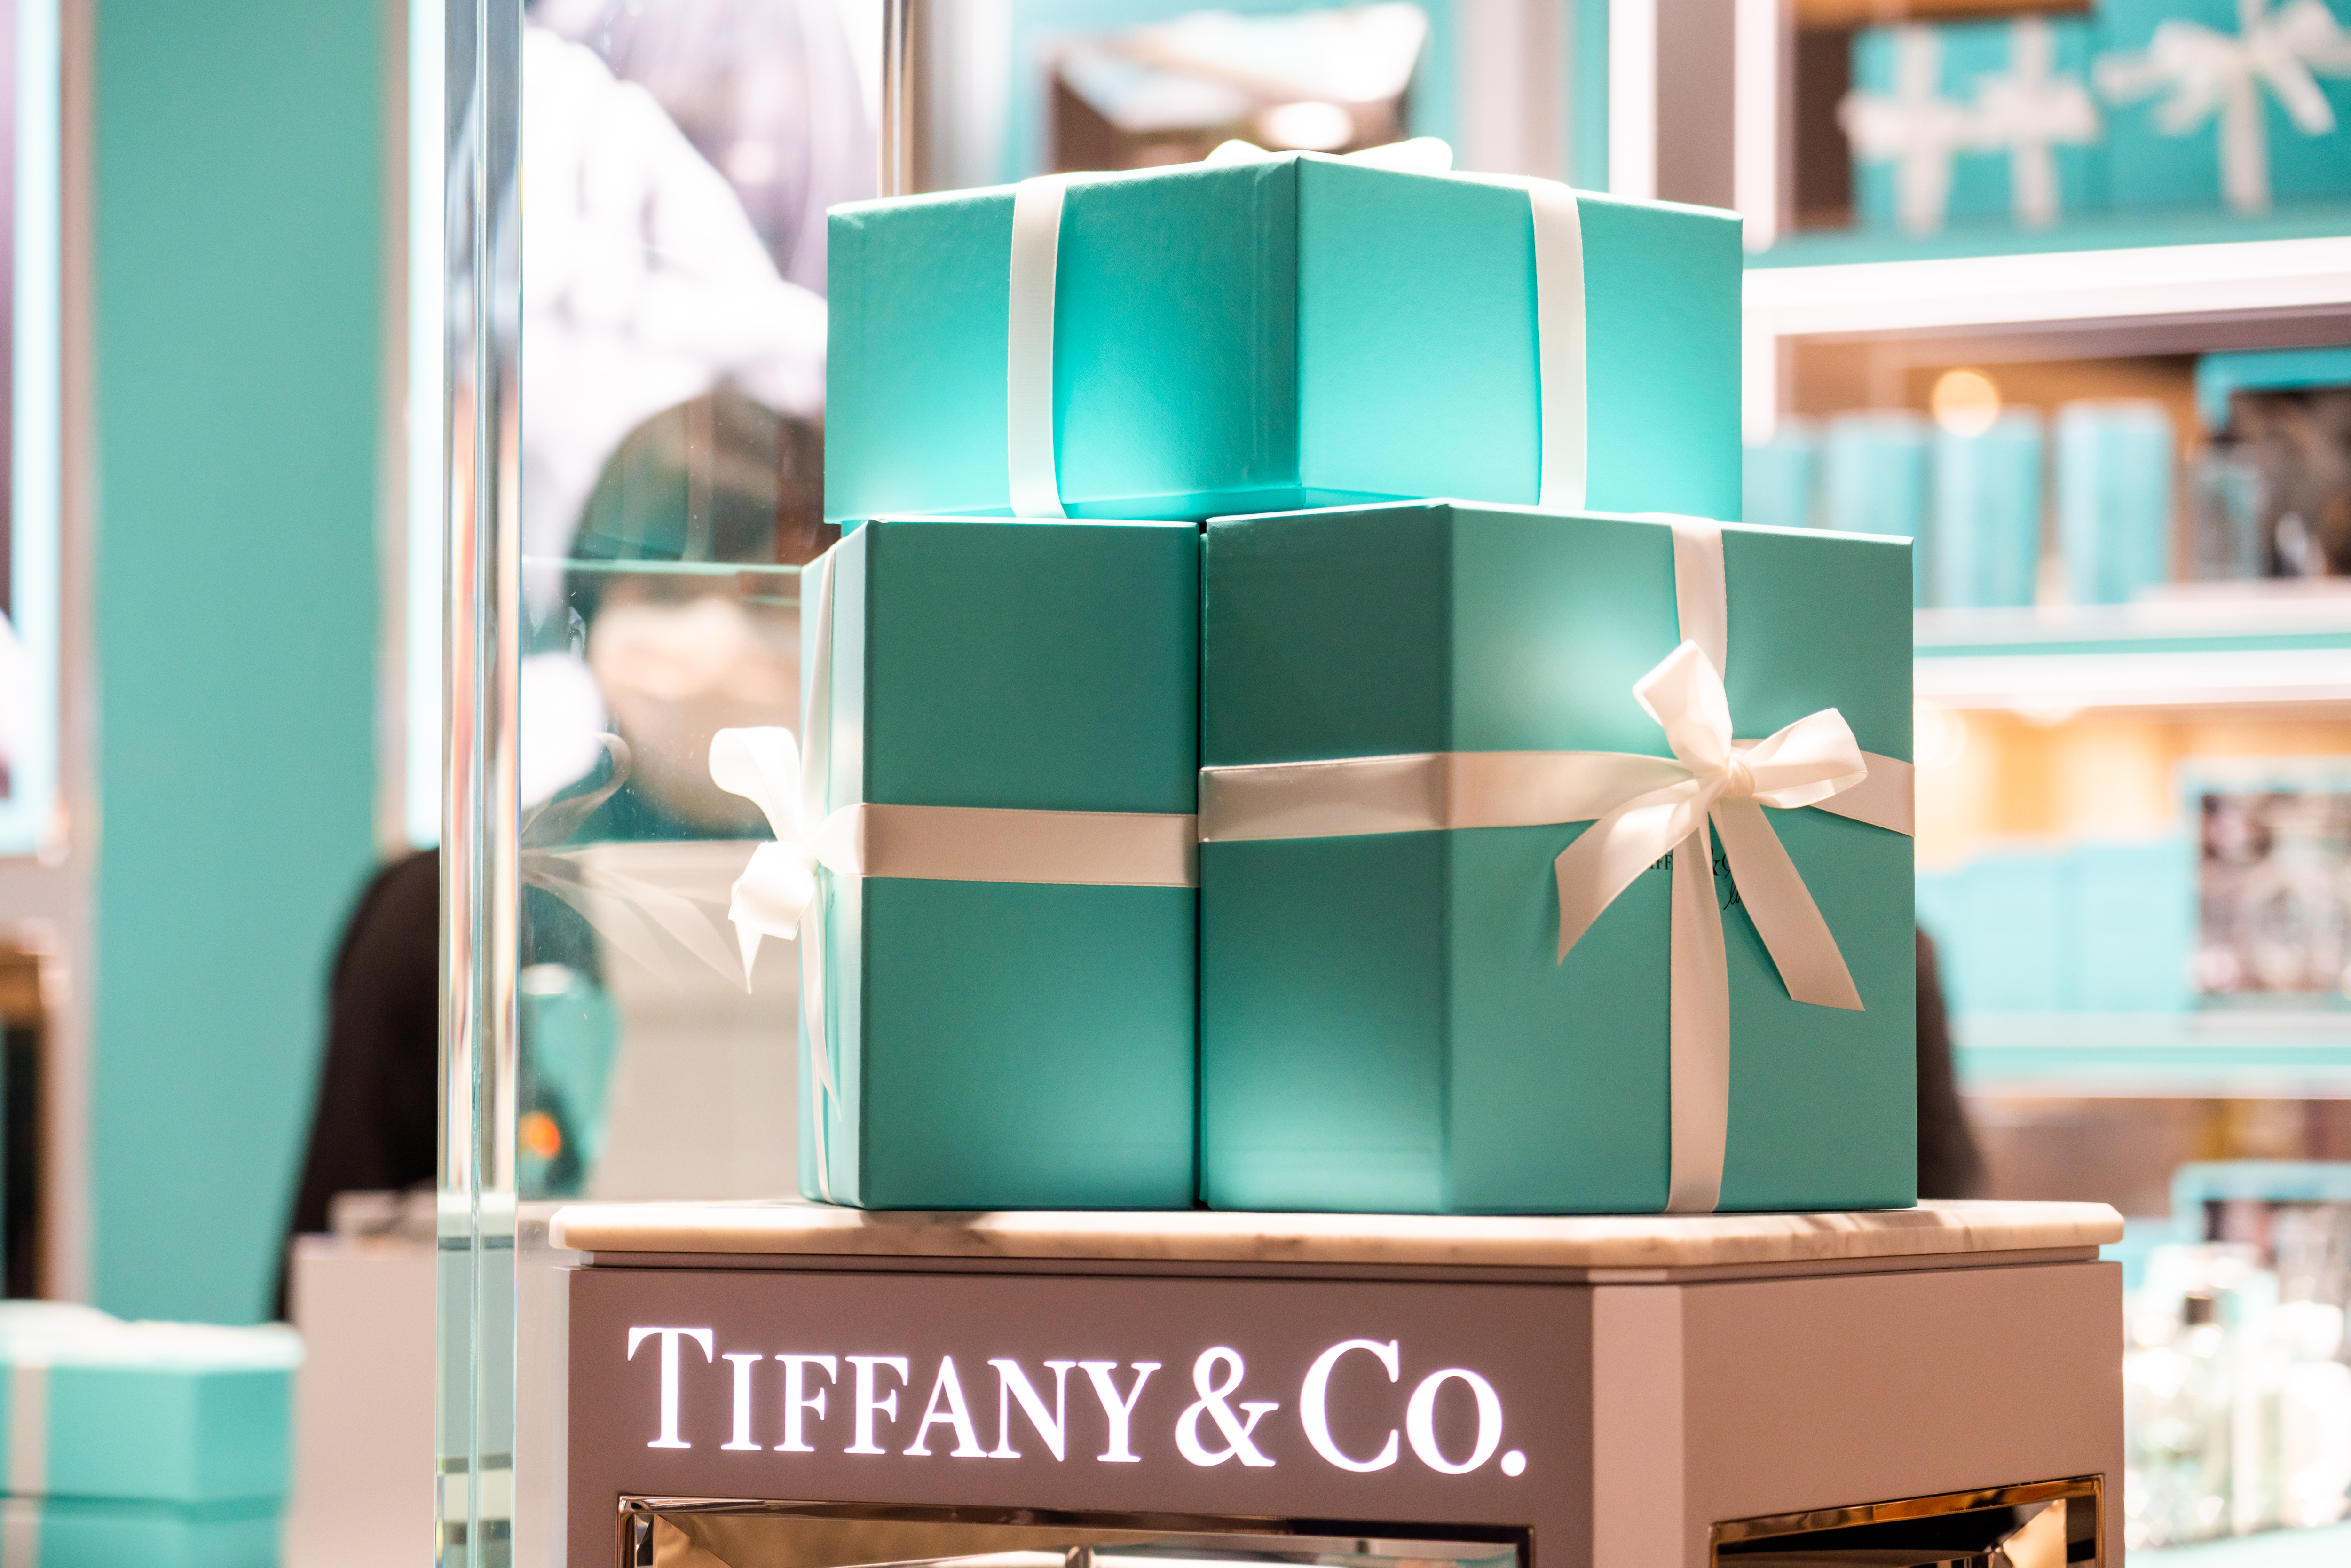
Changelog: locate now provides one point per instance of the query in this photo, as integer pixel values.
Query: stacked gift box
(1291, 723)
(2234, 104)
(165, 1444)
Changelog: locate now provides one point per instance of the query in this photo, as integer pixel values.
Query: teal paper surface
(1300, 331)
(77, 1532)
(163, 1433)
(1005, 1045)
(1384, 1025)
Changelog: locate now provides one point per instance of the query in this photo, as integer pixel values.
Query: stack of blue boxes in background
(164, 1445)
(1240, 612)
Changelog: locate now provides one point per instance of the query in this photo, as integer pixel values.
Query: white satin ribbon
(1914, 127)
(1031, 469)
(1642, 808)
(29, 1422)
(779, 893)
(2211, 75)
(2029, 111)
(20, 1532)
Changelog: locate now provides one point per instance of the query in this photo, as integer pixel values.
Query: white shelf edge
(2051, 682)
(1926, 294)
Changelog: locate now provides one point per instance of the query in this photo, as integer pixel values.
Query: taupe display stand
(1622, 1392)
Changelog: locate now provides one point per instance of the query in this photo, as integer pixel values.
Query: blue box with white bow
(1510, 905)
(185, 1413)
(2242, 103)
(1276, 332)
(992, 878)
(1970, 121)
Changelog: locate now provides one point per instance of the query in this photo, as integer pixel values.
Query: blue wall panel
(238, 239)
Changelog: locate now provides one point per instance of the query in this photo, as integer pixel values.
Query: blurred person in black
(1950, 1164)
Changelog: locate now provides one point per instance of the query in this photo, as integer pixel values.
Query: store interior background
(249, 624)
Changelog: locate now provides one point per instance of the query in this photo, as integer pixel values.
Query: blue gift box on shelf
(101, 1410)
(80, 1533)
(2241, 102)
(1985, 535)
(1780, 477)
(999, 969)
(1973, 121)
(1274, 332)
(1424, 761)
(1874, 478)
(2114, 462)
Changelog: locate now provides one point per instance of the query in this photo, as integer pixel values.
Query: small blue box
(1874, 480)
(2114, 462)
(1987, 517)
(177, 1413)
(1781, 478)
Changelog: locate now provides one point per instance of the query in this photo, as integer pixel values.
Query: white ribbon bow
(1914, 127)
(1641, 808)
(1032, 471)
(2029, 109)
(2210, 75)
(1727, 786)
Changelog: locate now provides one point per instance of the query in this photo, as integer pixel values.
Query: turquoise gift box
(1006, 1044)
(167, 1413)
(2172, 142)
(1385, 1023)
(2007, 77)
(1985, 535)
(77, 1532)
(2114, 462)
(1291, 332)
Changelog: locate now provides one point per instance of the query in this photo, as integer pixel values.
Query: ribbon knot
(1734, 780)
(1727, 785)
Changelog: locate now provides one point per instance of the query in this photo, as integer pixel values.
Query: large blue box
(1293, 332)
(1007, 1044)
(1385, 1024)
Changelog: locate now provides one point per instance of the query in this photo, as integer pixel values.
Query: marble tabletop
(1583, 1241)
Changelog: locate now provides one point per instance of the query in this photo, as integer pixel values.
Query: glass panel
(625, 546)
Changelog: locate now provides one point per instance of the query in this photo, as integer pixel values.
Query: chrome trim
(2090, 1487)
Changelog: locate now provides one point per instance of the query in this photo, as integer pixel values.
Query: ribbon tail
(1606, 856)
(827, 1096)
(1700, 1032)
(1781, 906)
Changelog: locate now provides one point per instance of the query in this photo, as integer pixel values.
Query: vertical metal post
(896, 138)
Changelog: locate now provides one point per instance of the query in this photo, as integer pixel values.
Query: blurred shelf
(2178, 267)
(2329, 1545)
(2250, 1055)
(2223, 645)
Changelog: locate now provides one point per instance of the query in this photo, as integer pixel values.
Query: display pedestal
(1617, 1392)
